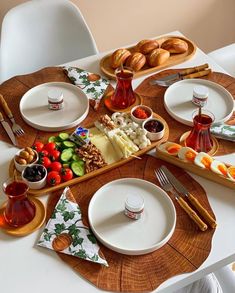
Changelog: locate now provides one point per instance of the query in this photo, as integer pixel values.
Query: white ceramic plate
(35, 112)
(178, 100)
(122, 234)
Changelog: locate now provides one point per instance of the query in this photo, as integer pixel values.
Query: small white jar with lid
(134, 206)
(200, 95)
(55, 99)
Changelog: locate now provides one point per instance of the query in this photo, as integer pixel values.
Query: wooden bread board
(173, 59)
(206, 173)
(49, 189)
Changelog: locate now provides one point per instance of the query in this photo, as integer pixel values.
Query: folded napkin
(224, 130)
(66, 233)
(93, 85)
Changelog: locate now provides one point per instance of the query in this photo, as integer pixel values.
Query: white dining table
(24, 267)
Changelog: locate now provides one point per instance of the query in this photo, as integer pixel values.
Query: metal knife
(8, 129)
(182, 190)
(192, 72)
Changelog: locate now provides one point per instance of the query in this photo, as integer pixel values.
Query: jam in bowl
(140, 113)
(155, 128)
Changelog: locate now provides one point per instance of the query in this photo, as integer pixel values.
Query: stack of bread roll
(148, 52)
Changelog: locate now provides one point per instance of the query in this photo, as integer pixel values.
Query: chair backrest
(43, 33)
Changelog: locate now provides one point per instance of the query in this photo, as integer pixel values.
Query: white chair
(226, 278)
(225, 57)
(43, 33)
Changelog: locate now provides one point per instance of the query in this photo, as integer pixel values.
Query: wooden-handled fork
(17, 129)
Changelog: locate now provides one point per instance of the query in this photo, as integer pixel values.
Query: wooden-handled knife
(182, 190)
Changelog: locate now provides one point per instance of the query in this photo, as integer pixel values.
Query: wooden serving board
(187, 249)
(191, 167)
(173, 59)
(49, 189)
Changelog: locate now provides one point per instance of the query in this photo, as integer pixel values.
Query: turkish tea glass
(124, 95)
(19, 209)
(200, 138)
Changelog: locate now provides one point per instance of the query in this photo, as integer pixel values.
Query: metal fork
(17, 129)
(168, 187)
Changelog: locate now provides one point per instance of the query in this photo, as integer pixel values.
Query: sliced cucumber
(58, 143)
(52, 139)
(63, 136)
(66, 155)
(78, 168)
(68, 144)
(76, 157)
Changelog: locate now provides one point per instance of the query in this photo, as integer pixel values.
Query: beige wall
(209, 23)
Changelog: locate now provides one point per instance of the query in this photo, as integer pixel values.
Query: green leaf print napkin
(225, 130)
(92, 84)
(66, 233)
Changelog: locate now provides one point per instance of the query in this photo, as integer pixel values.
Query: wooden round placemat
(14, 88)
(153, 96)
(185, 251)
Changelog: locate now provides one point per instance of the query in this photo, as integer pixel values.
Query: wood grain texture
(185, 251)
(153, 96)
(105, 64)
(14, 88)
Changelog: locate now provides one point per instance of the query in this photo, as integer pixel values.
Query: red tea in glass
(124, 95)
(199, 138)
(19, 209)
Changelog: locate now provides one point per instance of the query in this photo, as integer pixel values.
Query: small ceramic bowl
(35, 176)
(145, 109)
(21, 167)
(155, 128)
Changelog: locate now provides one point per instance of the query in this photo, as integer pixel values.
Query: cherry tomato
(43, 153)
(66, 174)
(50, 146)
(53, 178)
(45, 161)
(38, 146)
(55, 166)
(54, 155)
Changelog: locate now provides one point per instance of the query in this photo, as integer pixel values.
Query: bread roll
(146, 46)
(157, 57)
(119, 57)
(175, 45)
(136, 61)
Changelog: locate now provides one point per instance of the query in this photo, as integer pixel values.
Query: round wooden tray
(184, 252)
(32, 226)
(108, 104)
(215, 146)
